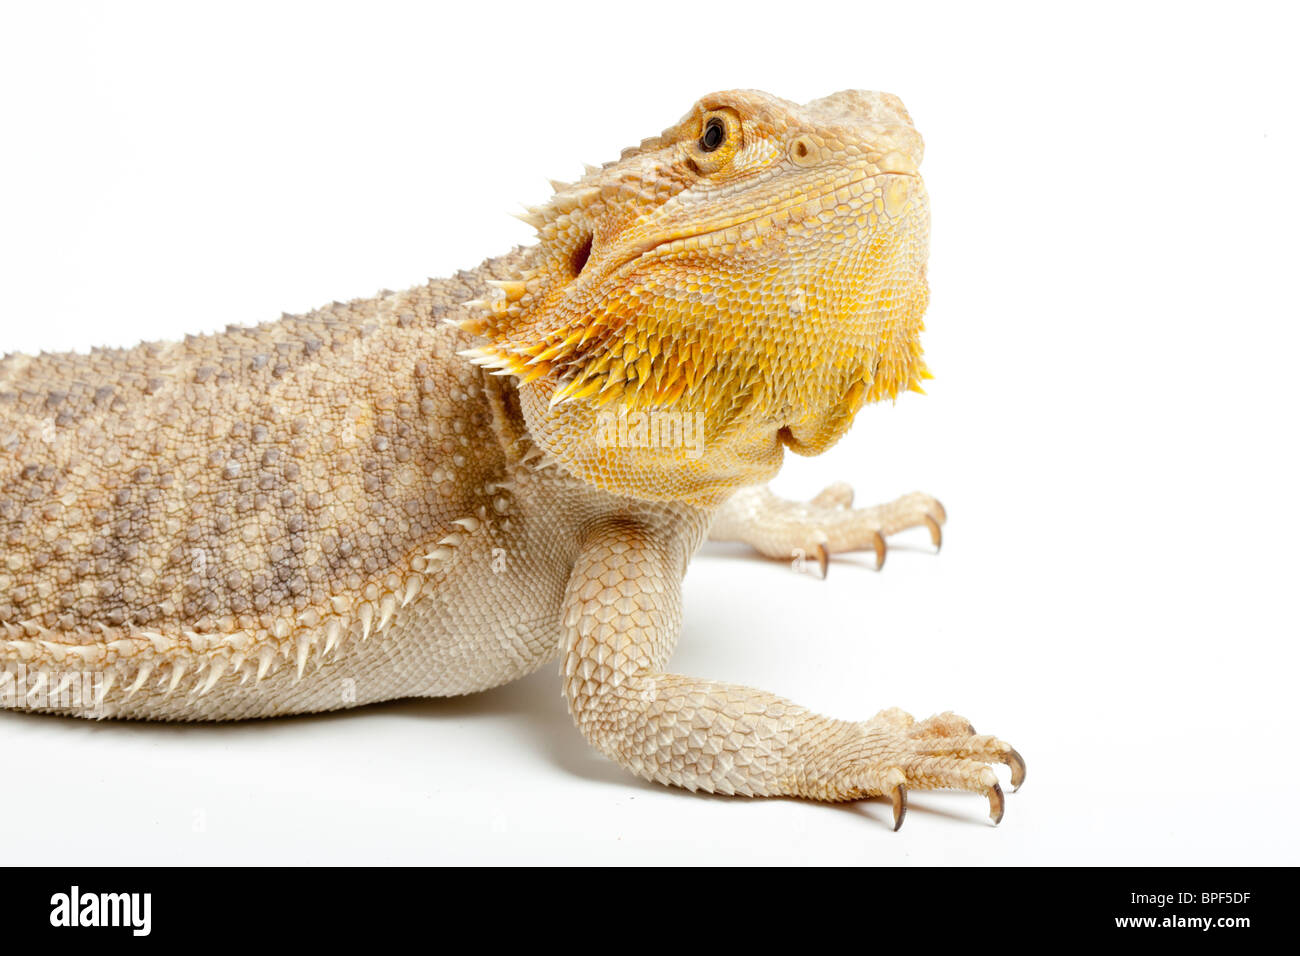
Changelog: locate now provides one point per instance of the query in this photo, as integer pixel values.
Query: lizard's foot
(826, 525)
(892, 753)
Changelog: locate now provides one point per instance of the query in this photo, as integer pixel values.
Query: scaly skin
(436, 491)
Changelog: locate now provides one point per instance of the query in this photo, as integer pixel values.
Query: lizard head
(756, 270)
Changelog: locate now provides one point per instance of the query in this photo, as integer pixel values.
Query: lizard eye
(715, 133)
(719, 138)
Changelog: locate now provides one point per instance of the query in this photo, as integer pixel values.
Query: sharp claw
(899, 796)
(823, 559)
(936, 533)
(878, 542)
(1017, 765)
(942, 515)
(997, 804)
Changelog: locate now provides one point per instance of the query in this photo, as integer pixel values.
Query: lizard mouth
(893, 165)
(677, 240)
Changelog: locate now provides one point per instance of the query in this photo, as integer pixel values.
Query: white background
(1112, 426)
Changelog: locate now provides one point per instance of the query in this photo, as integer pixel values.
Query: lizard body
(436, 491)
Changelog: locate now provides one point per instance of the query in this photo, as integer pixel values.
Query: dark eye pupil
(714, 134)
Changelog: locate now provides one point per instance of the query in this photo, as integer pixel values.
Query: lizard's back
(259, 503)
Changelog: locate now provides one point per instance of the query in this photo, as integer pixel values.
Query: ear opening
(581, 254)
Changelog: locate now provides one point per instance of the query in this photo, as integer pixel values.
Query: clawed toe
(870, 527)
(825, 525)
(942, 752)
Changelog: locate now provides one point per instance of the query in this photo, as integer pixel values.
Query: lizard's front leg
(622, 613)
(826, 525)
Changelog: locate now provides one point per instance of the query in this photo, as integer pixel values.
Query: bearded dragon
(437, 491)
